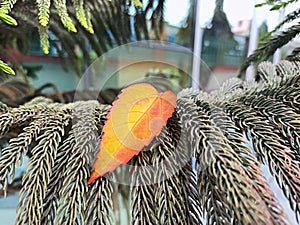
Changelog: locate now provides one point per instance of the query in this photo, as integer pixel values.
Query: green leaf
(276, 7)
(44, 10)
(8, 19)
(6, 69)
(44, 39)
(260, 4)
(62, 10)
(137, 3)
(89, 21)
(6, 6)
(80, 13)
(265, 36)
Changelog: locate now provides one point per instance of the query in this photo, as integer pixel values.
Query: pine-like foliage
(204, 167)
(275, 39)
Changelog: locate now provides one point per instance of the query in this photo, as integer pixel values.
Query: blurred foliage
(6, 68)
(5, 18)
(87, 24)
(276, 38)
(276, 4)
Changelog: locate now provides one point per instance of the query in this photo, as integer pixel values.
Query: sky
(235, 10)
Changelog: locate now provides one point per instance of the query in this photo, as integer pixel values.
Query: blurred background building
(225, 30)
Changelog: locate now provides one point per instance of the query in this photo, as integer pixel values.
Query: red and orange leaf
(136, 117)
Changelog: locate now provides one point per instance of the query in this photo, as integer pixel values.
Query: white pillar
(197, 49)
(277, 54)
(253, 40)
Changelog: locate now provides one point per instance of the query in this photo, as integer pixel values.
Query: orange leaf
(136, 117)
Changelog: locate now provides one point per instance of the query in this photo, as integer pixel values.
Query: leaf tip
(93, 177)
